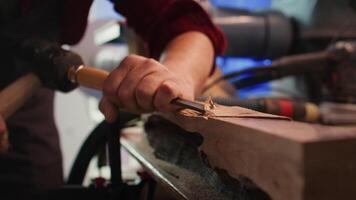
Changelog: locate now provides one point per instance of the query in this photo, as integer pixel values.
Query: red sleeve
(74, 19)
(159, 21)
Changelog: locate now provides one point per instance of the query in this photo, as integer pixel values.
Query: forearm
(190, 56)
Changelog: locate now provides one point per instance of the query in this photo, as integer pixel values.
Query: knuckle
(109, 90)
(150, 62)
(151, 65)
(141, 92)
(128, 60)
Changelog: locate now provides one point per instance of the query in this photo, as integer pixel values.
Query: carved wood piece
(287, 159)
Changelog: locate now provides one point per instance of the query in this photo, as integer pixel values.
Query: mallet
(57, 69)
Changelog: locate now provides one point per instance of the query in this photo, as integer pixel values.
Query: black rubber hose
(96, 140)
(315, 62)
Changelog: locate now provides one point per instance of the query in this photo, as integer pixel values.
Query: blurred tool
(335, 72)
(272, 33)
(315, 62)
(338, 113)
(294, 109)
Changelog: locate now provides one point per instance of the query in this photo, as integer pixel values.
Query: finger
(166, 92)
(146, 90)
(112, 82)
(2, 125)
(109, 110)
(4, 140)
(126, 92)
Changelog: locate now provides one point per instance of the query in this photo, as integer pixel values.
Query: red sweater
(156, 21)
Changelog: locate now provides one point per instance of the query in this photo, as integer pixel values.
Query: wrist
(187, 73)
(190, 56)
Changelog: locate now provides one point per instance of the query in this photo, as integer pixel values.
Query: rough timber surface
(287, 159)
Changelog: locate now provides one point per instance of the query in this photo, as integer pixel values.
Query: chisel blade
(199, 107)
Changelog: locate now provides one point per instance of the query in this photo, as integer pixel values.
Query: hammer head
(51, 63)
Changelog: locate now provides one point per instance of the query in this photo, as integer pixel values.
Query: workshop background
(97, 51)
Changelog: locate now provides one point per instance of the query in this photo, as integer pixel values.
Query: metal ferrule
(72, 73)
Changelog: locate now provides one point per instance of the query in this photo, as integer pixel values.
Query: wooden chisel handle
(88, 76)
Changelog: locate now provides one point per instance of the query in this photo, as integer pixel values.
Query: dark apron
(34, 161)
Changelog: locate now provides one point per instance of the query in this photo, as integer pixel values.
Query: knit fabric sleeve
(157, 22)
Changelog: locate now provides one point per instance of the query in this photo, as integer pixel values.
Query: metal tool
(94, 78)
(199, 107)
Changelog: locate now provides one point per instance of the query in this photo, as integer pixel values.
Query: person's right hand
(4, 143)
(142, 85)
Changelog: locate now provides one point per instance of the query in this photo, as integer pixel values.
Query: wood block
(287, 159)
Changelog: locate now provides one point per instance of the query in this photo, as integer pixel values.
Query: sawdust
(209, 105)
(213, 110)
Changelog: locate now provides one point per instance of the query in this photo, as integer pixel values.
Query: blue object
(229, 64)
(242, 4)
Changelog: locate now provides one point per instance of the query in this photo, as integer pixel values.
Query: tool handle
(91, 77)
(17, 93)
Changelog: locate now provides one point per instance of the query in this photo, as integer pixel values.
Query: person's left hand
(141, 85)
(4, 143)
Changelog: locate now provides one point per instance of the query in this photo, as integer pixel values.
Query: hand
(141, 85)
(4, 144)
(2, 125)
